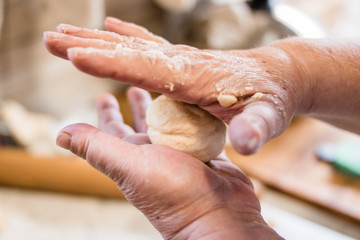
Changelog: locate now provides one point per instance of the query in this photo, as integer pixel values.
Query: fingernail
(253, 144)
(52, 35)
(45, 37)
(71, 53)
(112, 19)
(66, 28)
(248, 145)
(64, 140)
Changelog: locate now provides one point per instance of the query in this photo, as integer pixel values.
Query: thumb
(257, 124)
(104, 152)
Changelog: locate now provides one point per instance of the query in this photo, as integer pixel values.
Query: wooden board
(57, 173)
(288, 163)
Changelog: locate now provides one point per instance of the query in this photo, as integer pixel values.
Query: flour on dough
(186, 128)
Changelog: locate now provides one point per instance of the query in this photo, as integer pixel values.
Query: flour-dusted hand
(250, 85)
(256, 91)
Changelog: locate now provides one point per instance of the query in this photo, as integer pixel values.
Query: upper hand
(265, 81)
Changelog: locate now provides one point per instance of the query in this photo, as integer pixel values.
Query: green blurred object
(345, 155)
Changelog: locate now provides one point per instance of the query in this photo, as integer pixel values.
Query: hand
(181, 196)
(267, 82)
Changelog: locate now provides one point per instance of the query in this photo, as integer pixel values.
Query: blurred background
(49, 194)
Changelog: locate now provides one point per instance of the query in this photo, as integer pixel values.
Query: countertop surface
(48, 215)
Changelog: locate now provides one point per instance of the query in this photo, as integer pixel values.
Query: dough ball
(186, 128)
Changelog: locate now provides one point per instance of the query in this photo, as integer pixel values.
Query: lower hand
(181, 196)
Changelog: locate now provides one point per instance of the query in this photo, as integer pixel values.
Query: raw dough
(186, 128)
(226, 100)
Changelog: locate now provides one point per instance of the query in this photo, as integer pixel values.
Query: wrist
(331, 70)
(227, 224)
(301, 81)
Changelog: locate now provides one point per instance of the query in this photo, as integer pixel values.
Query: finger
(130, 29)
(102, 35)
(138, 139)
(58, 43)
(139, 100)
(146, 70)
(257, 124)
(110, 118)
(111, 121)
(106, 153)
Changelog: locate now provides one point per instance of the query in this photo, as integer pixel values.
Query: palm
(163, 183)
(177, 182)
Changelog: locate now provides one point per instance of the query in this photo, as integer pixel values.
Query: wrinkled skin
(181, 196)
(257, 78)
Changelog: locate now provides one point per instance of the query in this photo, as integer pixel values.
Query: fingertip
(60, 28)
(56, 43)
(45, 35)
(65, 135)
(107, 100)
(70, 54)
(139, 98)
(76, 138)
(112, 24)
(67, 28)
(63, 139)
(258, 123)
(110, 19)
(74, 52)
(50, 37)
(137, 92)
(45, 39)
(244, 137)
